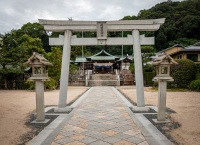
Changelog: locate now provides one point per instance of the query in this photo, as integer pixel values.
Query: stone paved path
(101, 119)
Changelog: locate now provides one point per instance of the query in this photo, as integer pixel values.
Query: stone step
(103, 83)
(103, 77)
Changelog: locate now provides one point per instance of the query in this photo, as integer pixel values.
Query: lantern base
(63, 109)
(163, 121)
(140, 109)
(157, 78)
(39, 122)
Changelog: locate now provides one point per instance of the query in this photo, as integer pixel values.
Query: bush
(51, 84)
(183, 73)
(148, 76)
(30, 85)
(195, 85)
(198, 67)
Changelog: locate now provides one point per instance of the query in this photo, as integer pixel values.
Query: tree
(8, 58)
(15, 50)
(182, 21)
(55, 57)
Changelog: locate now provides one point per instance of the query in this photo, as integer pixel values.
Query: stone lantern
(39, 74)
(162, 64)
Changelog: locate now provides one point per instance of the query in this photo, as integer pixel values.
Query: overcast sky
(15, 13)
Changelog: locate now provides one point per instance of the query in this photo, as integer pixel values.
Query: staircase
(103, 80)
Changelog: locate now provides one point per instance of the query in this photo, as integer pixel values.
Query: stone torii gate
(101, 27)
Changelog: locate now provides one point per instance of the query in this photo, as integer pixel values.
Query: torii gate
(101, 27)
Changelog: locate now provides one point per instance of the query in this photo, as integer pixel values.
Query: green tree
(182, 21)
(15, 50)
(55, 57)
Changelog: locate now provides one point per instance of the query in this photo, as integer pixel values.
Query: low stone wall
(77, 83)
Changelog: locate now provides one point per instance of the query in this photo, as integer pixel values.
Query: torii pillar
(138, 68)
(65, 69)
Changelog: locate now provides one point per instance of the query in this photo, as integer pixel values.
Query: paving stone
(97, 135)
(64, 140)
(111, 139)
(132, 132)
(143, 143)
(77, 137)
(123, 142)
(110, 132)
(75, 143)
(68, 133)
(120, 129)
(99, 142)
(122, 136)
(88, 139)
(140, 136)
(54, 143)
(134, 140)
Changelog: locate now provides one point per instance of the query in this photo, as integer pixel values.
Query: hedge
(183, 73)
(195, 85)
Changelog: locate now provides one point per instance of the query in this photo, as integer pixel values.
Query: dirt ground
(187, 108)
(16, 105)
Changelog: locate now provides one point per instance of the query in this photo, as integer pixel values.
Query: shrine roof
(102, 55)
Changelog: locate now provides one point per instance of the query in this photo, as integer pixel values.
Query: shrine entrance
(101, 28)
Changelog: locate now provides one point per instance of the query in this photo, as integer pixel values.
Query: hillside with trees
(181, 26)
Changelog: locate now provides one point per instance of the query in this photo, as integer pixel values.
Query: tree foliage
(182, 22)
(55, 57)
(16, 47)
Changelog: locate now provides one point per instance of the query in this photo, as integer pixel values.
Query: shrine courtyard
(18, 105)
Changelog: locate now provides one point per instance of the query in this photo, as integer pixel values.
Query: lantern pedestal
(162, 85)
(140, 109)
(62, 109)
(39, 88)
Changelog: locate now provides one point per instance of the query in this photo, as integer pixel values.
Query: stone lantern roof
(164, 59)
(40, 58)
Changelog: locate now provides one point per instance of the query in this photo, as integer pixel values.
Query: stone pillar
(162, 85)
(39, 88)
(138, 69)
(65, 69)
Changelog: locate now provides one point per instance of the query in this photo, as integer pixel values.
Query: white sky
(15, 13)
